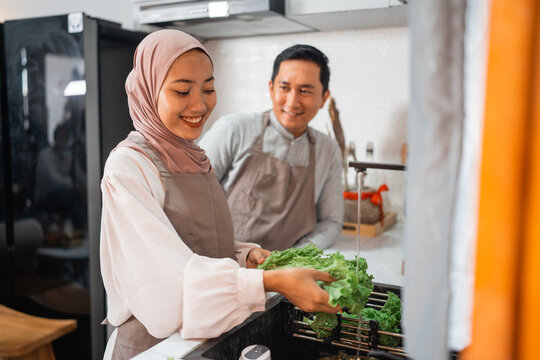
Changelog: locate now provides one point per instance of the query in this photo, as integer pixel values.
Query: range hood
(324, 15)
(212, 19)
(219, 19)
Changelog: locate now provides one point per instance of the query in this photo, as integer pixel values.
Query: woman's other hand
(256, 256)
(299, 286)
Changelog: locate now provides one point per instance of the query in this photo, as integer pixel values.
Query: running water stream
(358, 214)
(360, 175)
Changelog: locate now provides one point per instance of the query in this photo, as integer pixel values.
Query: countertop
(384, 255)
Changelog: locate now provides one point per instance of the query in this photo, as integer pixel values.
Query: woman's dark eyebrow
(191, 81)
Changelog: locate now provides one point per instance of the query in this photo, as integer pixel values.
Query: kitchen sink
(275, 329)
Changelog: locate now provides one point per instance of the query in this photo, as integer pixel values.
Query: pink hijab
(152, 60)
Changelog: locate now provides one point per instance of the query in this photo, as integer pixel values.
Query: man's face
(297, 94)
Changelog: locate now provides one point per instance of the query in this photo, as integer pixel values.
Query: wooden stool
(27, 337)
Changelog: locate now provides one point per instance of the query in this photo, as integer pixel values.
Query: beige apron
(187, 196)
(273, 203)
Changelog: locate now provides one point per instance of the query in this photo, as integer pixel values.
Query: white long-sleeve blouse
(150, 273)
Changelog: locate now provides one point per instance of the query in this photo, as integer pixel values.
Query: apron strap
(258, 144)
(266, 120)
(143, 145)
(311, 141)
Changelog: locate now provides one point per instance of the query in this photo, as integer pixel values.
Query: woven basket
(370, 213)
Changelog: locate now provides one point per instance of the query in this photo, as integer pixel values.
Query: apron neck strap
(143, 145)
(266, 121)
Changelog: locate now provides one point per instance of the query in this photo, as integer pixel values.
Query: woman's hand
(256, 256)
(299, 286)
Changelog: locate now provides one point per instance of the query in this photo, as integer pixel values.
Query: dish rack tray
(346, 334)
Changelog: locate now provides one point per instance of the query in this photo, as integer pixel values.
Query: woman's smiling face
(187, 96)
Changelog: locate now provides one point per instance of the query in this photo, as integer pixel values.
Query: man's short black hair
(308, 53)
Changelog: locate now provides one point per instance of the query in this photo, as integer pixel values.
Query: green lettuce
(389, 318)
(350, 291)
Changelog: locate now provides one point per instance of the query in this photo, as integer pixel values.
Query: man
(282, 178)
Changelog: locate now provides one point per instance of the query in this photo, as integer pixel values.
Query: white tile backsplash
(369, 80)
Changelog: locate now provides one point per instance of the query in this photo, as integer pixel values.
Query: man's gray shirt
(227, 145)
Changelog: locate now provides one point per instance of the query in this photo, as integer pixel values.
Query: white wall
(369, 81)
(119, 11)
(369, 75)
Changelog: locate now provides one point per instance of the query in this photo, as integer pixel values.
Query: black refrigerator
(63, 109)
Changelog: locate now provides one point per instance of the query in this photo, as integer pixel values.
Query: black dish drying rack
(346, 335)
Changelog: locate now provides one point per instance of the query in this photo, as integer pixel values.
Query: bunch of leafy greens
(389, 318)
(350, 291)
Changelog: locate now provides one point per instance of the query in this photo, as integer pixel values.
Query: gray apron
(186, 197)
(272, 203)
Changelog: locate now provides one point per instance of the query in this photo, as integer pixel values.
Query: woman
(168, 258)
